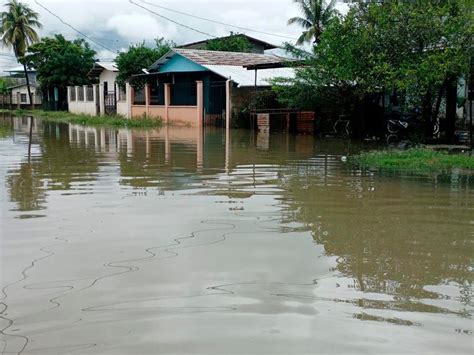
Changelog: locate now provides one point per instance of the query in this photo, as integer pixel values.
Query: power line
(75, 29)
(218, 22)
(171, 20)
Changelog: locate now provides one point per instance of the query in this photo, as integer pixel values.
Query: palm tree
(316, 16)
(17, 31)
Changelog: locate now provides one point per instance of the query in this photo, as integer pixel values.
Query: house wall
(17, 92)
(122, 108)
(180, 64)
(110, 77)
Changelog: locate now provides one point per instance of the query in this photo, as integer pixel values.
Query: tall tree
(61, 63)
(233, 43)
(419, 49)
(17, 28)
(138, 57)
(316, 16)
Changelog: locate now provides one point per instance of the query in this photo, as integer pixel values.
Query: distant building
(19, 92)
(258, 46)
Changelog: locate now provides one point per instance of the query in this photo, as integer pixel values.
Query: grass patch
(415, 159)
(87, 120)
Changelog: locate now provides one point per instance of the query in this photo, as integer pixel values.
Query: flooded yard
(175, 240)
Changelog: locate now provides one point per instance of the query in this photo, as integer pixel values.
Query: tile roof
(205, 57)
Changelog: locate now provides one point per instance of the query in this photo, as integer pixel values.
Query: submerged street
(173, 240)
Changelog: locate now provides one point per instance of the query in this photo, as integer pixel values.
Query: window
(23, 98)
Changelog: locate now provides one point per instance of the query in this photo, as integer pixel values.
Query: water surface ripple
(172, 241)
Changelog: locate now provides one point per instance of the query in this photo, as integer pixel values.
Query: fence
(80, 94)
(89, 93)
(73, 94)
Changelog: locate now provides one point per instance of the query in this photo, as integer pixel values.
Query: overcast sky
(117, 23)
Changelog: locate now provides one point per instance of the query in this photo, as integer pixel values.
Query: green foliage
(416, 160)
(233, 43)
(3, 87)
(139, 57)
(87, 120)
(17, 27)
(413, 47)
(61, 63)
(317, 15)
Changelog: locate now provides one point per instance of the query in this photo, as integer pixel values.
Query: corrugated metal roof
(108, 65)
(244, 77)
(205, 57)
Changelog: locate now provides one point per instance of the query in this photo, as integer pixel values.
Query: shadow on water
(396, 242)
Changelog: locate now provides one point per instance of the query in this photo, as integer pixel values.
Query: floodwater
(177, 240)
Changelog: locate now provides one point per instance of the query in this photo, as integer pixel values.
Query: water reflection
(257, 225)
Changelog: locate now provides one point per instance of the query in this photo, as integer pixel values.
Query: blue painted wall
(180, 64)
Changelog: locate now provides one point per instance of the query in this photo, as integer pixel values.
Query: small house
(198, 87)
(102, 98)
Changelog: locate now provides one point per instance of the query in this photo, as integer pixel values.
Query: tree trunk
(451, 96)
(28, 86)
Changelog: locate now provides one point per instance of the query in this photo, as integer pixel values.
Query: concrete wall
(82, 106)
(184, 115)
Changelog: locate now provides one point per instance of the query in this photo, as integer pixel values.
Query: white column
(128, 95)
(95, 98)
(147, 99)
(228, 104)
(200, 103)
(84, 88)
(68, 94)
(101, 100)
(228, 110)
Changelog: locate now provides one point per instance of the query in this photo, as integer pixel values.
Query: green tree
(139, 57)
(17, 28)
(416, 48)
(316, 16)
(233, 43)
(60, 63)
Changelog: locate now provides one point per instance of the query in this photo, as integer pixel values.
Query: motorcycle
(398, 123)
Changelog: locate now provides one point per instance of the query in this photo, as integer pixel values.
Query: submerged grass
(87, 120)
(415, 160)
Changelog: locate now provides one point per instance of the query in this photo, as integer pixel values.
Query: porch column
(200, 103)
(96, 99)
(84, 88)
(147, 99)
(129, 98)
(228, 103)
(167, 100)
(101, 99)
(76, 89)
(68, 94)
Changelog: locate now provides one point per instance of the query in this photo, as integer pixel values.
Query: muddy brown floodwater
(172, 241)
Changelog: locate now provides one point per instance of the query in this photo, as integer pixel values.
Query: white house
(99, 99)
(19, 93)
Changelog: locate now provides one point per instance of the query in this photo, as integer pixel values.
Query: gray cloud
(117, 23)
